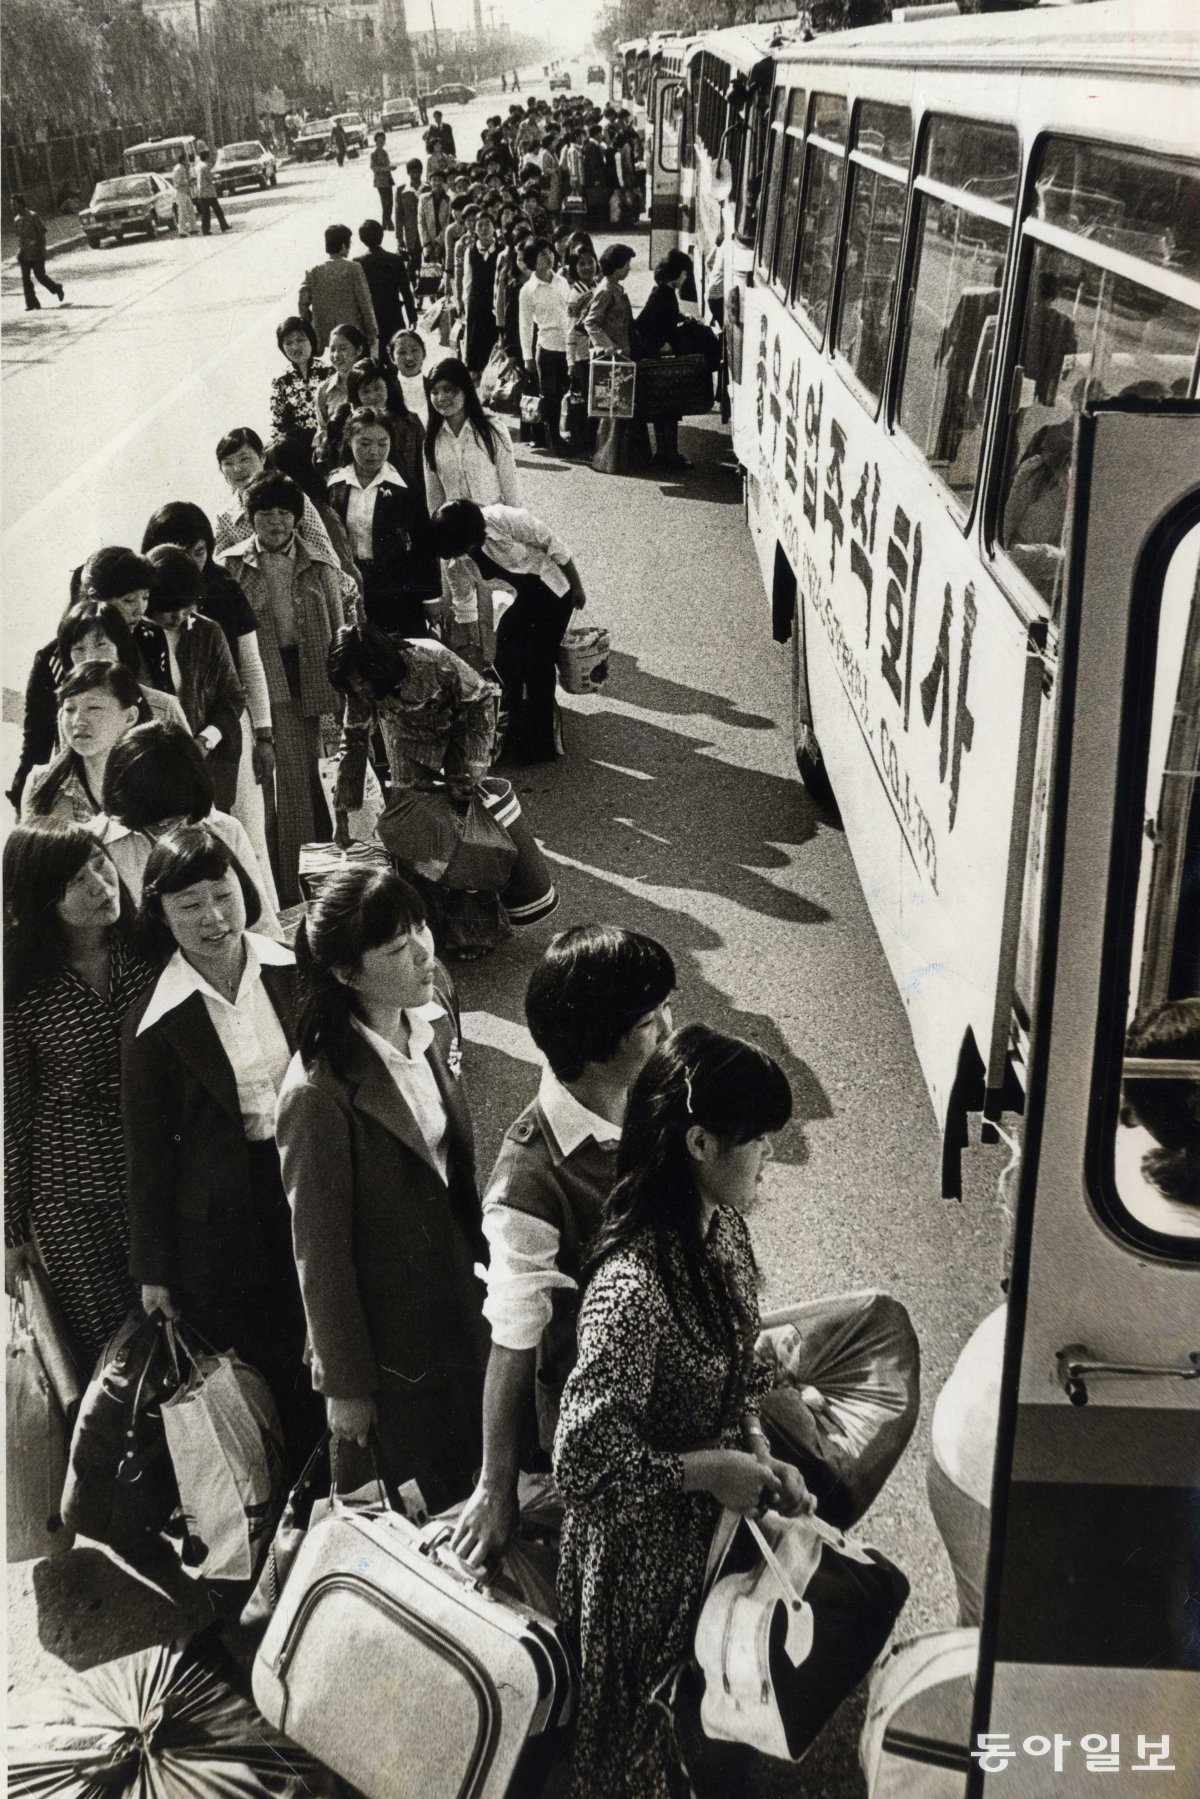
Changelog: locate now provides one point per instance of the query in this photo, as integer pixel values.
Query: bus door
(1090, 1650)
(663, 178)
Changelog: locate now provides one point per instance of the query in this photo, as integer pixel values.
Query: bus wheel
(813, 773)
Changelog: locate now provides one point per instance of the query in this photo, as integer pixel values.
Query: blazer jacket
(186, 1155)
(209, 690)
(398, 533)
(336, 293)
(391, 292)
(358, 1175)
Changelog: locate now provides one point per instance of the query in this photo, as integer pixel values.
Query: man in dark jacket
(405, 208)
(387, 278)
(31, 254)
(338, 139)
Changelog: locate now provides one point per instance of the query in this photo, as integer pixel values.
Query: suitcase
(400, 1670)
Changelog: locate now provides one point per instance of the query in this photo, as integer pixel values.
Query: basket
(583, 658)
(673, 387)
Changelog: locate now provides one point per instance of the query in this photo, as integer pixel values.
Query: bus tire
(810, 765)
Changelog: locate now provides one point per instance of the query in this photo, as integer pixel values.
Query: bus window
(789, 200)
(1094, 326)
(1157, 1147)
(878, 192)
(822, 195)
(749, 145)
(962, 244)
(667, 128)
(770, 213)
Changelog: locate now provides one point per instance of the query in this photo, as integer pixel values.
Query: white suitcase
(402, 1672)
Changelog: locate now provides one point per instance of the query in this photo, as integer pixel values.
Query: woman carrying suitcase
(376, 1142)
(659, 1422)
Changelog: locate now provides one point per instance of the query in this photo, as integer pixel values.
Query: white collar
(349, 474)
(571, 1124)
(420, 1033)
(179, 980)
(289, 554)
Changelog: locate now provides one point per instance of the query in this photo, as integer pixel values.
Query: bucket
(531, 893)
(583, 658)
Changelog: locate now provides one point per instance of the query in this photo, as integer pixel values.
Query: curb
(63, 243)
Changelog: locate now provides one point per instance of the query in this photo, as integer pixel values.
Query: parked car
(355, 127)
(397, 113)
(129, 203)
(454, 93)
(312, 140)
(597, 72)
(560, 79)
(158, 156)
(248, 164)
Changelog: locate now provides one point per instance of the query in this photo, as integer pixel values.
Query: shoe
(36, 307)
(62, 294)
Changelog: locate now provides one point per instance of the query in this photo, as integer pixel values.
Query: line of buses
(956, 262)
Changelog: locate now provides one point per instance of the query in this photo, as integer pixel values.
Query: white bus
(962, 279)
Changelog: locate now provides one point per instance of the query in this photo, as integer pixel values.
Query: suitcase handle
(435, 1543)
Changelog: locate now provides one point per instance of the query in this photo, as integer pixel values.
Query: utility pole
(205, 80)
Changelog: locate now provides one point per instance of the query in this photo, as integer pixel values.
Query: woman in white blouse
(204, 1054)
(467, 457)
(544, 305)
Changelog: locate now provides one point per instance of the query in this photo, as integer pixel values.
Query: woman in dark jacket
(204, 1053)
(201, 667)
(656, 333)
(378, 1159)
(374, 384)
(398, 573)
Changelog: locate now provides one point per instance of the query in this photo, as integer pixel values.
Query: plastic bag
(848, 1373)
(226, 1446)
(420, 829)
(499, 367)
(36, 1447)
(485, 855)
(362, 820)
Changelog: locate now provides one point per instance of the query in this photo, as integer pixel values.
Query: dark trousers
(529, 635)
(36, 271)
(341, 157)
(208, 206)
(385, 206)
(388, 604)
(553, 381)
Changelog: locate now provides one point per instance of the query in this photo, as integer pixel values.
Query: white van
(159, 156)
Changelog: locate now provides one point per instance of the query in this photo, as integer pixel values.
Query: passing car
(454, 93)
(398, 113)
(125, 203)
(248, 164)
(597, 72)
(355, 127)
(560, 79)
(312, 140)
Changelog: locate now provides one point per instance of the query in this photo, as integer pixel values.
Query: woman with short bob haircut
(71, 972)
(467, 457)
(377, 1148)
(157, 778)
(204, 1053)
(659, 1424)
(203, 672)
(97, 703)
(294, 393)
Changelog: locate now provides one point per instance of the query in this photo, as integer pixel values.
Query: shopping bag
(793, 1617)
(421, 829)
(500, 367)
(612, 388)
(120, 1487)
(226, 1447)
(362, 820)
(615, 209)
(573, 420)
(484, 856)
(532, 418)
(848, 1373)
(35, 1446)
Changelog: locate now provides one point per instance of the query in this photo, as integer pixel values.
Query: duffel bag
(397, 1667)
(672, 387)
(915, 1741)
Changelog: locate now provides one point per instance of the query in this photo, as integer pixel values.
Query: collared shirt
(415, 396)
(414, 1078)
(248, 1027)
(522, 544)
(544, 304)
(463, 470)
(360, 506)
(523, 1271)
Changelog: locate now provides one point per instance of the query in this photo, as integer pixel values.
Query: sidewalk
(63, 232)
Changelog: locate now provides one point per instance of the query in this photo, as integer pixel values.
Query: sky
(566, 22)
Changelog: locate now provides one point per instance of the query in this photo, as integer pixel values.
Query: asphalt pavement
(675, 811)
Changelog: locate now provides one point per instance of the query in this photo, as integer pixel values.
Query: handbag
(795, 1613)
(484, 856)
(226, 1447)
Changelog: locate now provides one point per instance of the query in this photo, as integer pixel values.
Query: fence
(58, 176)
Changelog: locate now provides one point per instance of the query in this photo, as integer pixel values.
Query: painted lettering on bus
(908, 809)
(850, 669)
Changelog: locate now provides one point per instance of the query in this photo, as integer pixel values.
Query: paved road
(676, 811)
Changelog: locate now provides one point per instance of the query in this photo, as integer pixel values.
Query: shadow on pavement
(640, 688)
(91, 1609)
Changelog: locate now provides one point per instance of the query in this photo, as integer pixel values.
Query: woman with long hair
(659, 1424)
(467, 456)
(158, 777)
(204, 1053)
(97, 703)
(71, 972)
(376, 1144)
(347, 345)
(375, 384)
(294, 393)
(89, 631)
(203, 673)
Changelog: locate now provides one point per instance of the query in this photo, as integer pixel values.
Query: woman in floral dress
(659, 1426)
(294, 394)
